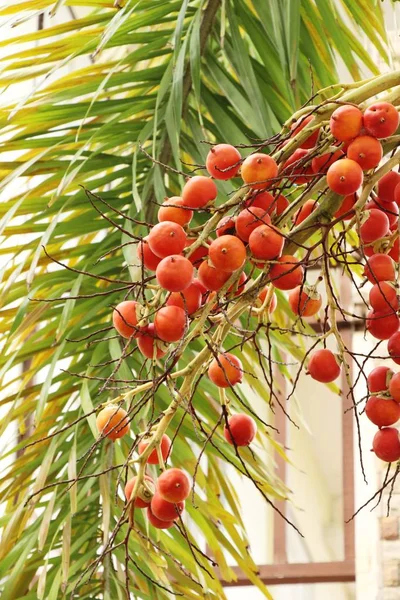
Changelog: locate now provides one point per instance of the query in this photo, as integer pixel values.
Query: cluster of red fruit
(250, 239)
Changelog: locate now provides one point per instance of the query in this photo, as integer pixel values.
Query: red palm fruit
(394, 252)
(223, 161)
(240, 430)
(304, 301)
(165, 447)
(382, 324)
(320, 164)
(147, 258)
(199, 191)
(386, 444)
(394, 387)
(170, 323)
(396, 194)
(270, 204)
(149, 344)
(200, 286)
(287, 273)
(323, 366)
(157, 523)
(257, 169)
(249, 219)
(225, 371)
(139, 502)
(296, 168)
(379, 379)
(367, 151)
(174, 273)
(266, 242)
(390, 209)
(189, 300)
(381, 119)
(345, 208)
(380, 267)
(387, 185)
(167, 238)
(383, 296)
(346, 122)
(239, 285)
(173, 485)
(226, 226)
(382, 411)
(227, 253)
(261, 297)
(197, 255)
(394, 347)
(299, 125)
(305, 211)
(112, 421)
(213, 279)
(170, 211)
(344, 177)
(165, 511)
(125, 318)
(374, 225)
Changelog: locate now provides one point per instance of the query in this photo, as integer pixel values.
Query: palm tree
(110, 95)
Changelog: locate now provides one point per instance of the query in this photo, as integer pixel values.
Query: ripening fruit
(174, 273)
(394, 387)
(157, 523)
(344, 177)
(170, 323)
(249, 219)
(374, 225)
(271, 205)
(382, 324)
(201, 287)
(266, 242)
(309, 142)
(387, 185)
(383, 296)
(320, 164)
(170, 211)
(112, 421)
(380, 267)
(367, 151)
(226, 226)
(213, 279)
(297, 167)
(261, 297)
(287, 273)
(197, 256)
(386, 444)
(394, 252)
(394, 347)
(239, 285)
(345, 208)
(167, 238)
(257, 169)
(390, 209)
(139, 502)
(147, 258)
(378, 379)
(189, 300)
(165, 448)
(173, 485)
(227, 253)
(199, 191)
(149, 344)
(382, 411)
(241, 430)
(226, 371)
(381, 119)
(125, 318)
(346, 123)
(396, 195)
(305, 301)
(165, 511)
(305, 211)
(223, 161)
(323, 366)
